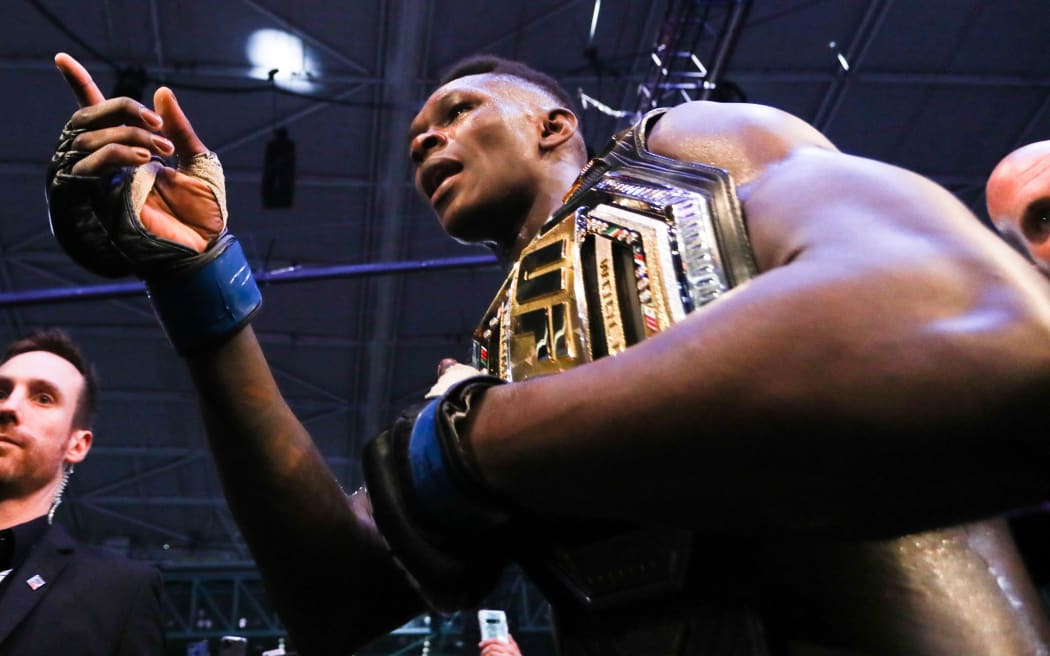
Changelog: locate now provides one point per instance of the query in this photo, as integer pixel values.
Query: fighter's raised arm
(293, 513)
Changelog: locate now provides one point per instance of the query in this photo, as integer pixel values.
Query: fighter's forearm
(304, 531)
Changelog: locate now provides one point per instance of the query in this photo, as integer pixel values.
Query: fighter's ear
(558, 127)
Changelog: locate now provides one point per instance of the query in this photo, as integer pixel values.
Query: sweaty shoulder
(741, 138)
(803, 198)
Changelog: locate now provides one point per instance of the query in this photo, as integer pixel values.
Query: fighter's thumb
(176, 126)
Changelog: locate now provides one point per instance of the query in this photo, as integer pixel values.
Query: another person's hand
(449, 373)
(493, 647)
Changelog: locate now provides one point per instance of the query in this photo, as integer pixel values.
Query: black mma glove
(442, 522)
(200, 298)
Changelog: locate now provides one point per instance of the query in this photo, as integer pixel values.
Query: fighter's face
(39, 392)
(1018, 197)
(475, 148)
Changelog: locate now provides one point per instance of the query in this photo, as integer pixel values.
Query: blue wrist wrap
(434, 488)
(208, 305)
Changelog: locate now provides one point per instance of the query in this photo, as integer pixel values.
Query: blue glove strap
(433, 487)
(210, 304)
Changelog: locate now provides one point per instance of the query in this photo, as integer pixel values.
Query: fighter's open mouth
(437, 172)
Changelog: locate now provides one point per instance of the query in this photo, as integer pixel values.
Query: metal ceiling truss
(527, 610)
(200, 604)
(207, 603)
(693, 48)
(119, 499)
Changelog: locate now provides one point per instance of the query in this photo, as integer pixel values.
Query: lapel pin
(35, 582)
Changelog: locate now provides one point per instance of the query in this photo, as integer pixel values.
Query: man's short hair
(479, 64)
(58, 342)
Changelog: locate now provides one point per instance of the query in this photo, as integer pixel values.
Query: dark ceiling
(944, 87)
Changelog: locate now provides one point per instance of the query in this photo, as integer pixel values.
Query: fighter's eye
(456, 111)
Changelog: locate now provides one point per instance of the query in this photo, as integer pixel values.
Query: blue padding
(434, 488)
(210, 304)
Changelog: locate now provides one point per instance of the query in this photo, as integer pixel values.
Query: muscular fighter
(800, 457)
(1018, 200)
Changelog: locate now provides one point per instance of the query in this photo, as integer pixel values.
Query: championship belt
(641, 241)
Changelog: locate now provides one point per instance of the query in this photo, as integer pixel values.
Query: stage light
(271, 51)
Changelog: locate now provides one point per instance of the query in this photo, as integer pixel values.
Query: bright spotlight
(275, 49)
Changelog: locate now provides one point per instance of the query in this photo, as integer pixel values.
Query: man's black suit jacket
(86, 602)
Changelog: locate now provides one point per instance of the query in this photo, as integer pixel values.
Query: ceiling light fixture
(268, 50)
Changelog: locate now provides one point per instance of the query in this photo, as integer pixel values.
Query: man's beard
(16, 485)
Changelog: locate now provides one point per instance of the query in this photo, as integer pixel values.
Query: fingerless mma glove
(200, 298)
